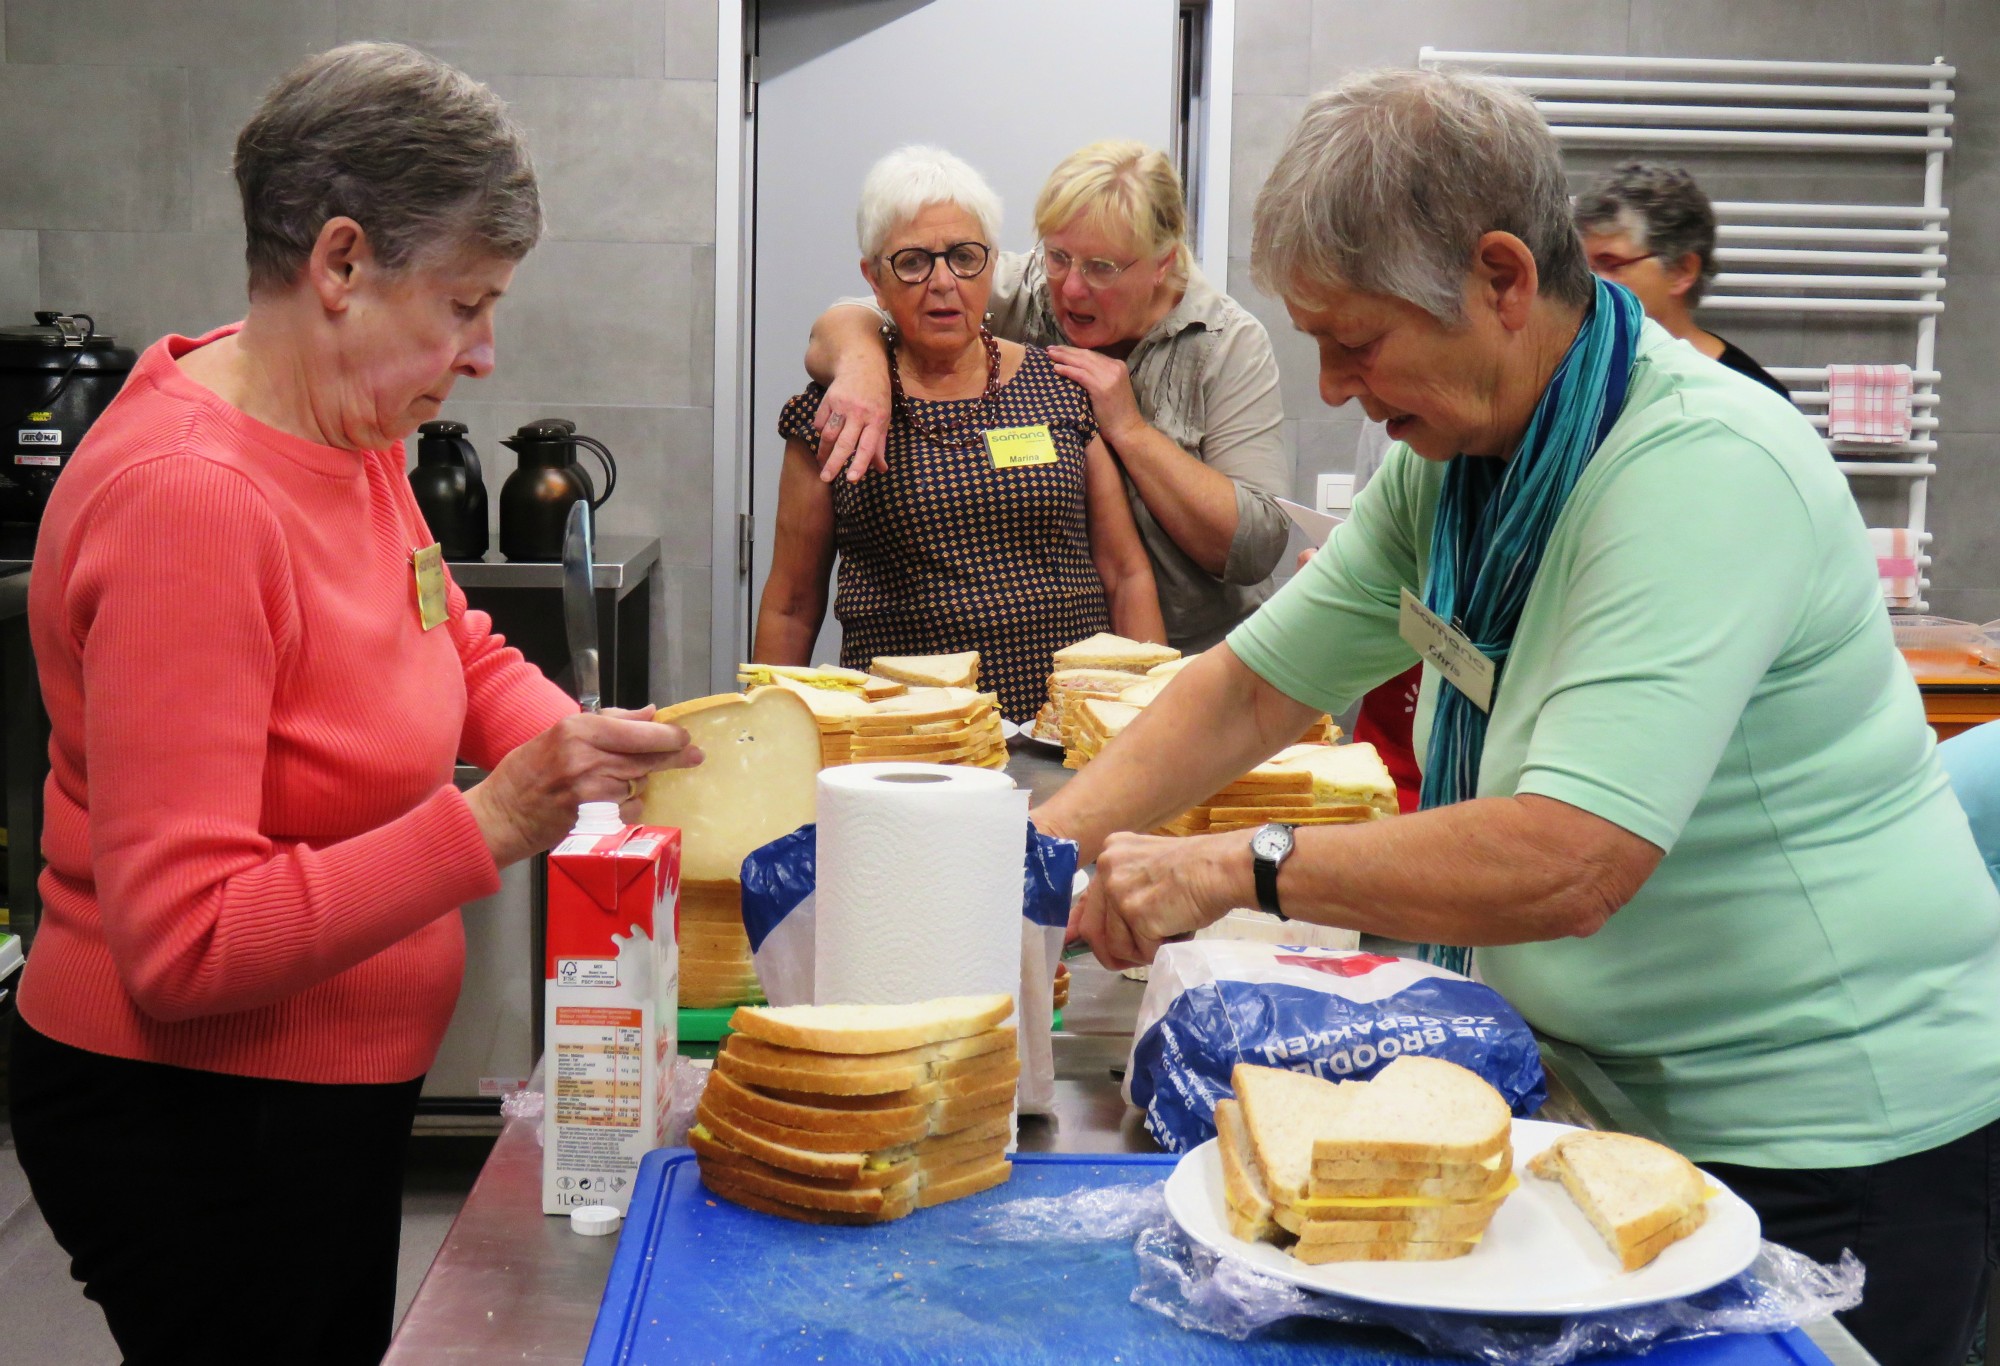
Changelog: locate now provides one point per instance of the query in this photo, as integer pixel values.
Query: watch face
(1271, 841)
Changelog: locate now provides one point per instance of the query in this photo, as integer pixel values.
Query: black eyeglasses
(913, 265)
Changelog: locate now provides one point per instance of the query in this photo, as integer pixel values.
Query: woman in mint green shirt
(1698, 827)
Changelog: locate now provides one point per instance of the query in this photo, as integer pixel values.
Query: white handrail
(1766, 232)
(1923, 446)
(1718, 90)
(1921, 260)
(1823, 397)
(1908, 284)
(1885, 469)
(1569, 61)
(1892, 213)
(1767, 303)
(1564, 111)
(1806, 372)
(1732, 137)
(1917, 424)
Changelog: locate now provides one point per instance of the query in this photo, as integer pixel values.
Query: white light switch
(1336, 493)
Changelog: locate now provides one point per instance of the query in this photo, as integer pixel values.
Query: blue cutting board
(697, 1279)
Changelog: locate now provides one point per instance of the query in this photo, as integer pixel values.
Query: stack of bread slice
(1410, 1166)
(1088, 713)
(1640, 1196)
(1301, 785)
(931, 726)
(758, 782)
(1096, 722)
(843, 1114)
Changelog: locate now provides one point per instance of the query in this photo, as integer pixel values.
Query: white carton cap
(597, 818)
(595, 1221)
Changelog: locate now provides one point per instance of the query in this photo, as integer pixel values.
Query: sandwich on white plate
(1640, 1196)
(1410, 1166)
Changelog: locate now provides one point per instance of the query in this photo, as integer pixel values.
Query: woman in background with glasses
(1001, 525)
(1182, 381)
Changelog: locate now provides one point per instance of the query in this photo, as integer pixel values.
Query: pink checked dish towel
(1868, 403)
(1896, 563)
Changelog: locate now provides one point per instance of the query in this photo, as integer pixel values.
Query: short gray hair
(426, 159)
(910, 179)
(1661, 208)
(1389, 180)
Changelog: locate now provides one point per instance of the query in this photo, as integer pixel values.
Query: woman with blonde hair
(1182, 380)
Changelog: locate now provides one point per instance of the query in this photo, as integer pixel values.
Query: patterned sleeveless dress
(946, 552)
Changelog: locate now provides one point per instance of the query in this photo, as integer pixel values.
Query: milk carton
(612, 969)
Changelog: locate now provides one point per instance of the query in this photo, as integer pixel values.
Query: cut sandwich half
(1640, 1196)
(1283, 1112)
(929, 671)
(1107, 651)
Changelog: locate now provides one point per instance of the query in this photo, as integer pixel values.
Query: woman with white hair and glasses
(1182, 381)
(1001, 525)
(258, 678)
(1651, 229)
(1678, 790)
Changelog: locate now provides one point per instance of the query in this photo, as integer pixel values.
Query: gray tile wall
(1287, 49)
(116, 200)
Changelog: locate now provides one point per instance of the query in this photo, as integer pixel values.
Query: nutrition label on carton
(597, 1066)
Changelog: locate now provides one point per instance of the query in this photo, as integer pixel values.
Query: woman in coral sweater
(256, 854)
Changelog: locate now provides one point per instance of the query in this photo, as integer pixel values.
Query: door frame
(735, 242)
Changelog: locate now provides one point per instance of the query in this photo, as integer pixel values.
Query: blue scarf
(1494, 518)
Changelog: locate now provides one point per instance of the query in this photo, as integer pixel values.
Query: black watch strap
(1265, 870)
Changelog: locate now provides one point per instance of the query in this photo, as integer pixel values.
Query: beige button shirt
(1205, 376)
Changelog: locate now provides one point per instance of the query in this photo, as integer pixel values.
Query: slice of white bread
(757, 781)
(1243, 1185)
(1143, 692)
(828, 676)
(1439, 1224)
(872, 1029)
(1416, 1109)
(1283, 1111)
(778, 1069)
(1453, 1219)
(834, 1130)
(1640, 1195)
(833, 708)
(1171, 667)
(1393, 1250)
(1107, 651)
(929, 671)
(728, 1182)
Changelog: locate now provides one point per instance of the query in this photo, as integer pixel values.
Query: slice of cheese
(756, 782)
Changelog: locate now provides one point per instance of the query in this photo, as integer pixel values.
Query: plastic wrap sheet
(1202, 1292)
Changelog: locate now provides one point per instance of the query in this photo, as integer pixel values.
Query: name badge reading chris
(1013, 447)
(429, 566)
(1448, 650)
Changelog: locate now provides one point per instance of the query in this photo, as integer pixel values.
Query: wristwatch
(1269, 848)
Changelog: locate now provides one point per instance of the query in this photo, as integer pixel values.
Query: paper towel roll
(919, 883)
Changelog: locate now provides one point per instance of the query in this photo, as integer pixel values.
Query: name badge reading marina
(429, 566)
(1448, 650)
(1013, 447)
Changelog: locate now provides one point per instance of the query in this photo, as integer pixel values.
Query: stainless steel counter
(512, 1284)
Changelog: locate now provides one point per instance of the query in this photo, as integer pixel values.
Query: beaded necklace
(959, 434)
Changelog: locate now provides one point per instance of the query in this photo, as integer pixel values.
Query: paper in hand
(1316, 525)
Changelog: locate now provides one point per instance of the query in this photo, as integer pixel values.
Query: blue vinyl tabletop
(697, 1279)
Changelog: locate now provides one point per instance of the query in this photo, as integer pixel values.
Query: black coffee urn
(56, 377)
(449, 490)
(536, 499)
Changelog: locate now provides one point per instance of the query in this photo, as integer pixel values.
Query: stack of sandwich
(859, 1114)
(922, 721)
(759, 782)
(1302, 785)
(1102, 667)
(1410, 1166)
(1088, 714)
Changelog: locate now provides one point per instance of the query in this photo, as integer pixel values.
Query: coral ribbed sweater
(255, 852)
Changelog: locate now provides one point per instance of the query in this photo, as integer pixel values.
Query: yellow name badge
(429, 565)
(1013, 447)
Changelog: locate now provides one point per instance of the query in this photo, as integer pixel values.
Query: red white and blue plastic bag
(1342, 1015)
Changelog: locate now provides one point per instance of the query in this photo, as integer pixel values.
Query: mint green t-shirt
(1811, 978)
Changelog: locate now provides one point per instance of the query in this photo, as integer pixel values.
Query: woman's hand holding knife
(528, 803)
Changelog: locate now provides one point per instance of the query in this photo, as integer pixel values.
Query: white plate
(1539, 1255)
(1009, 729)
